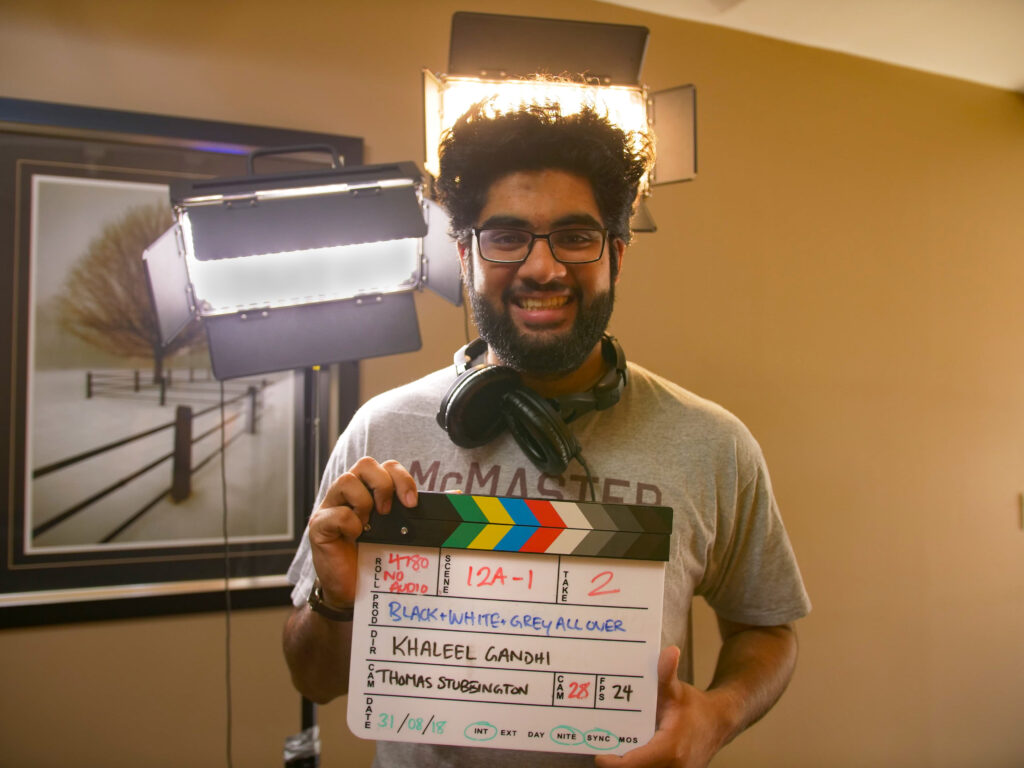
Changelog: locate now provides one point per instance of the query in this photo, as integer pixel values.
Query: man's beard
(555, 355)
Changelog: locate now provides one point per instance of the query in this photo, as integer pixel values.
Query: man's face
(541, 316)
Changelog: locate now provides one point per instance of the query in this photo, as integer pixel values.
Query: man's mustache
(528, 285)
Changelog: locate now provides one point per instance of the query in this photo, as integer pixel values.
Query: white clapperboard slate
(509, 623)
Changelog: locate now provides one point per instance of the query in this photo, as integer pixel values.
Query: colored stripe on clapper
(500, 524)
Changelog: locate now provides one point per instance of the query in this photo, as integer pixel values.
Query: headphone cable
(590, 478)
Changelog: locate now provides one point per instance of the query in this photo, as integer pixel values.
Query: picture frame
(135, 486)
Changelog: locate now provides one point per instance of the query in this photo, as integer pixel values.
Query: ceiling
(977, 40)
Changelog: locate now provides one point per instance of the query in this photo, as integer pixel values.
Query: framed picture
(136, 483)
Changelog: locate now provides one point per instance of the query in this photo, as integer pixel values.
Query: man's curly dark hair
(482, 148)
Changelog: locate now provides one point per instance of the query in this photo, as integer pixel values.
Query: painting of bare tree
(126, 435)
(104, 301)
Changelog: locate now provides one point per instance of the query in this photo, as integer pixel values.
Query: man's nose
(541, 264)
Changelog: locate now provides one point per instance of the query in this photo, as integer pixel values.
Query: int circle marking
(480, 731)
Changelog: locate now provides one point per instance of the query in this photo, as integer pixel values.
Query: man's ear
(618, 252)
(464, 254)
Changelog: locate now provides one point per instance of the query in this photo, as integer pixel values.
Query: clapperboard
(509, 623)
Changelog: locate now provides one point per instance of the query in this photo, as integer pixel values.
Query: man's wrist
(317, 604)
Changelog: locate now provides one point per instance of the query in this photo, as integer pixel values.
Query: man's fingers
(402, 482)
(348, 491)
(367, 485)
(352, 497)
(657, 752)
(329, 524)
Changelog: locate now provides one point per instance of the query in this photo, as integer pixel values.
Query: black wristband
(316, 603)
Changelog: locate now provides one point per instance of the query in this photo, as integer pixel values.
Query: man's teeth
(548, 302)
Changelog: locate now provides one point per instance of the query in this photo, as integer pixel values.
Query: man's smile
(542, 308)
(540, 302)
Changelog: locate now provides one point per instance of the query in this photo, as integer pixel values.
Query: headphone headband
(485, 400)
(604, 394)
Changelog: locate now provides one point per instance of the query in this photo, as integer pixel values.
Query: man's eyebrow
(569, 220)
(504, 221)
(577, 219)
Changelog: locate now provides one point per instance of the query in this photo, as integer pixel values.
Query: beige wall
(844, 275)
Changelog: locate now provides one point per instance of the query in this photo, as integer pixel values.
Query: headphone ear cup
(471, 409)
(539, 430)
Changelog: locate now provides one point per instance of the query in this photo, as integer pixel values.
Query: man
(540, 205)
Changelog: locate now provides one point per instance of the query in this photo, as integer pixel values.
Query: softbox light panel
(271, 214)
(251, 343)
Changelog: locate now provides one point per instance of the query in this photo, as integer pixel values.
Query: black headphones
(485, 400)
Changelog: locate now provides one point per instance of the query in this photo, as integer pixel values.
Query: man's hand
(690, 724)
(317, 649)
(341, 518)
(754, 666)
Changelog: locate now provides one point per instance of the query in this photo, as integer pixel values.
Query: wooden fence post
(251, 411)
(181, 474)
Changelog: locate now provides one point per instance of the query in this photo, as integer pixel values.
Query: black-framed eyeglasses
(569, 246)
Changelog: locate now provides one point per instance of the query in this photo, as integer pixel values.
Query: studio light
(498, 58)
(448, 97)
(291, 270)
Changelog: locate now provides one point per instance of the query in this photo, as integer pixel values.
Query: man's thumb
(668, 664)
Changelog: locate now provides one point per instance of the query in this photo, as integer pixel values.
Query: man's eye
(576, 238)
(507, 239)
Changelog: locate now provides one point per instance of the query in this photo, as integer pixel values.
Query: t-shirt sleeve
(752, 575)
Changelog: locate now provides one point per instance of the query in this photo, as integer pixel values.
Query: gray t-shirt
(659, 445)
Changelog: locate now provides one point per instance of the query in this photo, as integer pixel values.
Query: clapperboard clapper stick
(538, 526)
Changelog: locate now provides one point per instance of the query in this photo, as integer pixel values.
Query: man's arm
(754, 667)
(317, 648)
(755, 664)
